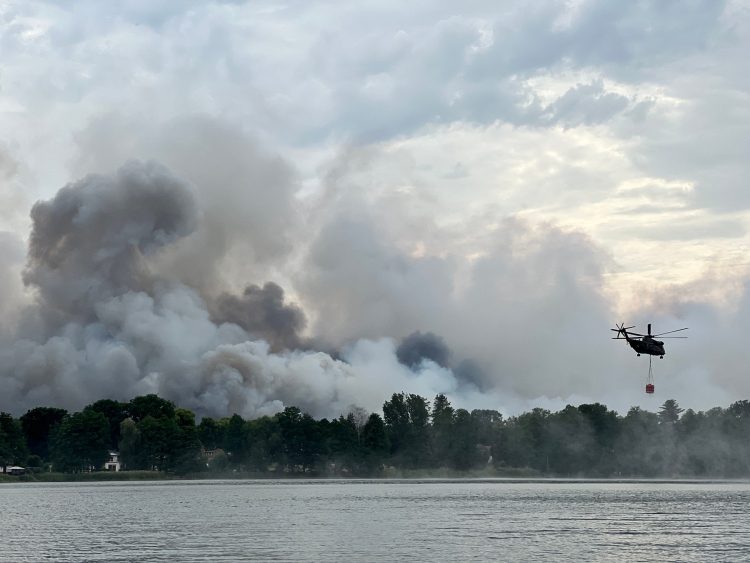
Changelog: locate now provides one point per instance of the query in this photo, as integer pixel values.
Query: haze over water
(375, 520)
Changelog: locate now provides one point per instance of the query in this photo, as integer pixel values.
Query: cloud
(586, 104)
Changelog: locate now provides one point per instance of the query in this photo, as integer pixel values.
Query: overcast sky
(514, 177)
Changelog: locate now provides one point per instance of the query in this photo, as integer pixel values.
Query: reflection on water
(369, 520)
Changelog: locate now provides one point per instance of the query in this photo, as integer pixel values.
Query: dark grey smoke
(470, 372)
(262, 312)
(249, 214)
(420, 346)
(88, 243)
(106, 323)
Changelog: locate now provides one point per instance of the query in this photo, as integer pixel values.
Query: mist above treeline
(412, 434)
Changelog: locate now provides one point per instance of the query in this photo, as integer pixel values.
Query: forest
(412, 435)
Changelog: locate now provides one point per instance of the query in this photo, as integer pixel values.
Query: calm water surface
(374, 520)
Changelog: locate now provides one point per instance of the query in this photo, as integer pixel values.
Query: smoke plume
(132, 280)
(262, 313)
(105, 324)
(418, 347)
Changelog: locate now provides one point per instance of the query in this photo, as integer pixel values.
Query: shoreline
(151, 476)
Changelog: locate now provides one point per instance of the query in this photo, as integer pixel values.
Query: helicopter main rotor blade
(671, 331)
(675, 337)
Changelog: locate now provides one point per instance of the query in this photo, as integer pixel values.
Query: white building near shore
(113, 463)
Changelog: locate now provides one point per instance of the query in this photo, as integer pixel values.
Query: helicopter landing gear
(661, 357)
(638, 355)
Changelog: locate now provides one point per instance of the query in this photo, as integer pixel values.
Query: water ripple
(374, 520)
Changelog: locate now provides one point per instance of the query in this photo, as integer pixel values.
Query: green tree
(740, 410)
(115, 412)
(150, 405)
(235, 440)
(302, 439)
(344, 443)
(38, 425)
(187, 447)
(81, 442)
(488, 424)
(524, 441)
(396, 417)
(264, 443)
(442, 430)
(463, 443)
(600, 458)
(670, 412)
(571, 444)
(407, 422)
(129, 446)
(211, 433)
(12, 442)
(159, 442)
(375, 443)
(639, 446)
(419, 448)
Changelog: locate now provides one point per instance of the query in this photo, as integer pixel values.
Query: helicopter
(644, 343)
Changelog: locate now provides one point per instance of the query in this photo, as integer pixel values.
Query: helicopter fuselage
(647, 345)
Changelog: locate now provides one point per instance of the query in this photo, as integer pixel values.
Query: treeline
(413, 433)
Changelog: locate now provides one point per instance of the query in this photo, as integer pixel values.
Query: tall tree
(419, 447)
(115, 412)
(442, 429)
(638, 449)
(600, 457)
(571, 444)
(396, 416)
(12, 443)
(344, 443)
(488, 423)
(670, 412)
(150, 405)
(129, 446)
(211, 433)
(188, 446)
(463, 445)
(235, 439)
(159, 442)
(375, 442)
(81, 442)
(38, 425)
(264, 443)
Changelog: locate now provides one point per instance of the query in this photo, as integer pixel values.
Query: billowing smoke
(423, 346)
(143, 281)
(88, 243)
(262, 312)
(104, 324)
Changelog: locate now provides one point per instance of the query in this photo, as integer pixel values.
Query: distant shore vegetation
(153, 438)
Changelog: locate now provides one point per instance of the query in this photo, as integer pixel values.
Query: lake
(365, 520)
